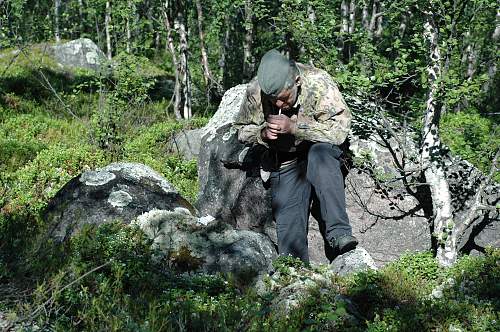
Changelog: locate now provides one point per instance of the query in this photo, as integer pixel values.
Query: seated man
(298, 113)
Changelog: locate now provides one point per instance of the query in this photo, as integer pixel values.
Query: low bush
(472, 137)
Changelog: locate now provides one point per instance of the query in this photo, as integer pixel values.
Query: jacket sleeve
(328, 119)
(250, 119)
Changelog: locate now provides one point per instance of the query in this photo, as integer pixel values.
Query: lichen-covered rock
(79, 53)
(290, 288)
(187, 143)
(357, 260)
(119, 191)
(190, 244)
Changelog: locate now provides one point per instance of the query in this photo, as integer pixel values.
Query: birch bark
(107, 23)
(443, 225)
(57, 5)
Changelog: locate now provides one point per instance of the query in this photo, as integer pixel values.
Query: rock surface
(79, 53)
(119, 191)
(191, 245)
(134, 193)
(357, 260)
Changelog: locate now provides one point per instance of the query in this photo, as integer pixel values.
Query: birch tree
(179, 52)
(107, 28)
(57, 5)
(431, 149)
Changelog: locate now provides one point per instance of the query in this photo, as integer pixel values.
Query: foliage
(472, 137)
(151, 147)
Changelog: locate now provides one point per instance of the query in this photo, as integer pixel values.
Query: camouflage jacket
(322, 114)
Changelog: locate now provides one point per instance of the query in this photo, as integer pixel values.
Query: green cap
(273, 72)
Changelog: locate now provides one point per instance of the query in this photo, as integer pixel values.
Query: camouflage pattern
(322, 114)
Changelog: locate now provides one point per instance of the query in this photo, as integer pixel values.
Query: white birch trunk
(364, 15)
(380, 18)
(373, 18)
(403, 25)
(130, 12)
(444, 228)
(180, 26)
(352, 16)
(171, 47)
(107, 23)
(344, 12)
(57, 5)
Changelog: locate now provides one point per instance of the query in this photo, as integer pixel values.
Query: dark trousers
(317, 179)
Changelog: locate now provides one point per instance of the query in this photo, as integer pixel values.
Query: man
(298, 113)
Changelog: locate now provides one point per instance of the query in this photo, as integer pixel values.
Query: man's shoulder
(253, 87)
(312, 72)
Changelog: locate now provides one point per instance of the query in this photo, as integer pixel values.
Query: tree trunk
(352, 16)
(171, 47)
(180, 24)
(403, 24)
(344, 30)
(57, 5)
(364, 15)
(248, 60)
(380, 17)
(130, 14)
(311, 15)
(209, 79)
(444, 228)
(373, 18)
(107, 23)
(80, 16)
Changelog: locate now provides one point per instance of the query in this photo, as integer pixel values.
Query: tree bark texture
(180, 24)
(248, 60)
(107, 23)
(171, 47)
(57, 5)
(444, 227)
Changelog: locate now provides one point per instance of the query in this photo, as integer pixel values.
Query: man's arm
(250, 120)
(330, 119)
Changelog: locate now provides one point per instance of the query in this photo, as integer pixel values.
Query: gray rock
(192, 245)
(230, 184)
(357, 260)
(489, 235)
(119, 191)
(290, 289)
(437, 292)
(187, 143)
(79, 53)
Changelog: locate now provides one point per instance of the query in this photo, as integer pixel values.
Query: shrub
(35, 183)
(472, 137)
(151, 147)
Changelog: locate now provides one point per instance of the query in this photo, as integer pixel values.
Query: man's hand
(282, 124)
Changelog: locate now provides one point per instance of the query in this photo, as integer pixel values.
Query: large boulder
(119, 191)
(191, 244)
(135, 194)
(389, 213)
(79, 53)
